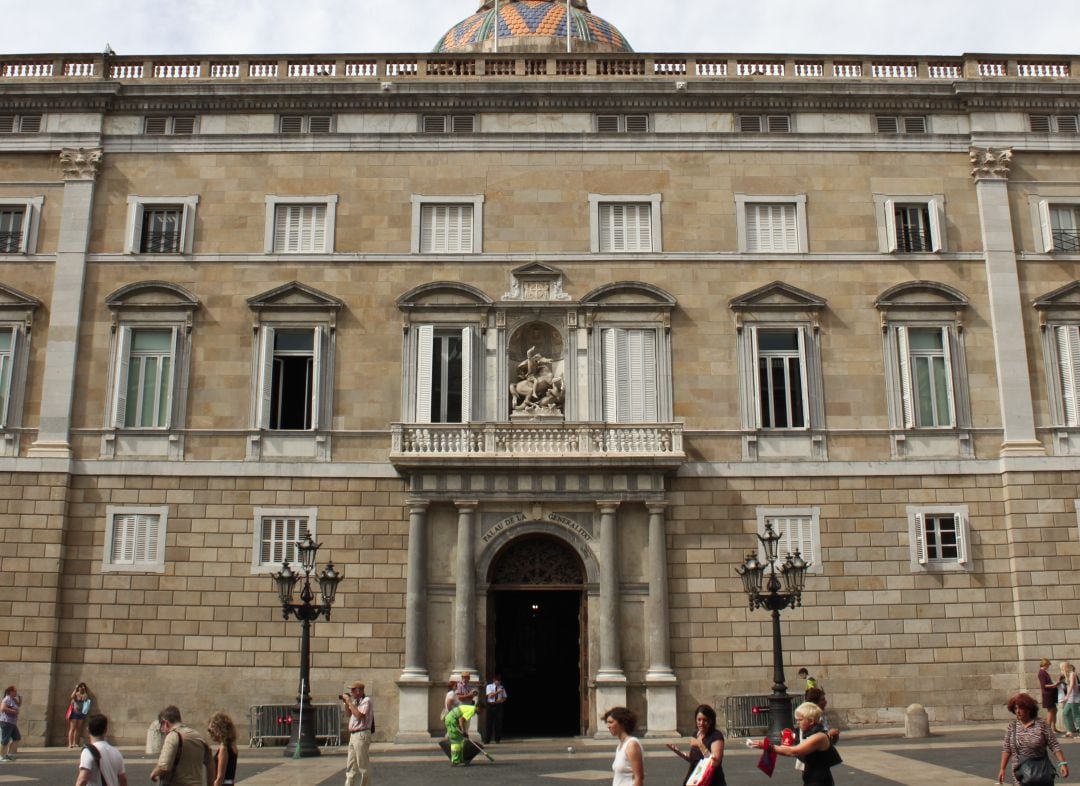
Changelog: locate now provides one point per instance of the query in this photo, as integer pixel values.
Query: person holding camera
(361, 727)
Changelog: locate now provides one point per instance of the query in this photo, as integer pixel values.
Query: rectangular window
(448, 124)
(144, 377)
(1067, 339)
(20, 124)
(305, 124)
(771, 227)
(625, 227)
(630, 380)
(444, 375)
(1053, 124)
(300, 228)
(7, 362)
(181, 125)
(292, 380)
(446, 229)
(913, 228)
(1065, 228)
(926, 378)
(799, 528)
(278, 538)
(891, 124)
(622, 124)
(161, 229)
(756, 124)
(12, 228)
(135, 540)
(940, 538)
(781, 378)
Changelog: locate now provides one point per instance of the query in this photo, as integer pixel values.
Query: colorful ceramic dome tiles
(523, 19)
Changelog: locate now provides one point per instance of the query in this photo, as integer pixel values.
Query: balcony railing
(10, 242)
(475, 66)
(567, 444)
(1067, 241)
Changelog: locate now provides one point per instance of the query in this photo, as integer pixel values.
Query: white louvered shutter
(948, 345)
(1068, 346)
(804, 376)
(123, 364)
(147, 532)
(1046, 227)
(607, 124)
(754, 406)
(639, 227)
(962, 548)
(7, 374)
(318, 359)
(425, 341)
(123, 540)
(266, 377)
(630, 388)
(891, 243)
(1040, 124)
(170, 378)
(920, 538)
(466, 374)
(936, 211)
(611, 376)
(903, 357)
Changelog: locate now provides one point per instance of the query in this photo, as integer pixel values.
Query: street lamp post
(783, 588)
(302, 741)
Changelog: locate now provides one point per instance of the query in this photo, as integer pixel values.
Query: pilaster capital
(81, 163)
(657, 506)
(466, 504)
(417, 504)
(990, 164)
(607, 506)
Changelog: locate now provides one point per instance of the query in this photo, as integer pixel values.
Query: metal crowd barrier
(273, 723)
(746, 716)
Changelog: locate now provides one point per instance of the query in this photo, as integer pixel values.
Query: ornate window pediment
(1063, 303)
(16, 305)
(443, 294)
(296, 299)
(922, 296)
(777, 301)
(536, 281)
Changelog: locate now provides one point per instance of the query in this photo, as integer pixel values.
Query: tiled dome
(536, 25)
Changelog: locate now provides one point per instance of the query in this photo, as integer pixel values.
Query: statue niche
(537, 390)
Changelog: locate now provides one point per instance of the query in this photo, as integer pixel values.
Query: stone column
(660, 680)
(990, 168)
(610, 680)
(414, 682)
(465, 596)
(81, 168)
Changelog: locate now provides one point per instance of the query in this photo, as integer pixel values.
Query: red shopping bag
(767, 762)
(702, 774)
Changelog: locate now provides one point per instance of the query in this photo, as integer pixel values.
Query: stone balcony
(564, 445)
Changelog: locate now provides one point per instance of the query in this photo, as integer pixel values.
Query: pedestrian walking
(361, 728)
(9, 723)
(222, 730)
(809, 681)
(1029, 739)
(707, 741)
(629, 763)
(185, 758)
(1071, 712)
(100, 764)
(496, 698)
(817, 696)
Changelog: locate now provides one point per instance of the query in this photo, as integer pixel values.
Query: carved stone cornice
(81, 163)
(990, 164)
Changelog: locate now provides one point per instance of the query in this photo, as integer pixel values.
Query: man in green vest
(457, 730)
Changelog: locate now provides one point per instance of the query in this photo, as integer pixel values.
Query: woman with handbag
(1030, 740)
(77, 712)
(816, 753)
(707, 742)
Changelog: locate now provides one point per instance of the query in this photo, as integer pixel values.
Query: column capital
(466, 504)
(81, 163)
(657, 506)
(608, 506)
(417, 505)
(990, 164)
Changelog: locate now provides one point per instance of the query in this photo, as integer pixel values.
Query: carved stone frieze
(990, 164)
(81, 163)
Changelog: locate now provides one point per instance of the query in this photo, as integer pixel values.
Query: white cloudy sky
(342, 26)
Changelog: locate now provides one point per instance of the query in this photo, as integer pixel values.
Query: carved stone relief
(537, 350)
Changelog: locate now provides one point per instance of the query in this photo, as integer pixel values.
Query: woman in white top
(629, 764)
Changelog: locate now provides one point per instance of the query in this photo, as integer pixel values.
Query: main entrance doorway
(536, 637)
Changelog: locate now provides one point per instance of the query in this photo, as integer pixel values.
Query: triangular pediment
(1067, 296)
(777, 296)
(536, 270)
(152, 295)
(295, 296)
(11, 298)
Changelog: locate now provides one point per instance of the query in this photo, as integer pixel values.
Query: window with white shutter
(756, 124)
(19, 224)
(446, 229)
(444, 374)
(939, 539)
(299, 229)
(8, 338)
(161, 225)
(144, 377)
(771, 227)
(622, 124)
(20, 124)
(1067, 343)
(910, 224)
(926, 376)
(625, 227)
(1065, 228)
(1053, 124)
(135, 539)
(290, 377)
(447, 124)
(169, 125)
(782, 389)
(277, 532)
(629, 375)
(305, 124)
(799, 529)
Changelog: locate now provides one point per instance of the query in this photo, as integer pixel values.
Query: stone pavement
(952, 756)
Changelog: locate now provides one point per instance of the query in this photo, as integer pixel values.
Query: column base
(1022, 448)
(660, 698)
(50, 450)
(610, 692)
(413, 690)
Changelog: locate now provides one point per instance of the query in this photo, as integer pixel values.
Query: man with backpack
(100, 764)
(185, 758)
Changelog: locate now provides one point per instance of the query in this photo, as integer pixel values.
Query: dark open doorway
(536, 635)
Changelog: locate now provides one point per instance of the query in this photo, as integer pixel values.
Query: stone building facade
(534, 342)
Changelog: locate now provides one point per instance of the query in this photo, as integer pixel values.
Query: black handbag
(1036, 771)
